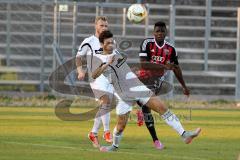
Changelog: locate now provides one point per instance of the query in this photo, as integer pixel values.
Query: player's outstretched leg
(188, 136)
(171, 119)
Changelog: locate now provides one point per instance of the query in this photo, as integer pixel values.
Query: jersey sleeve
(174, 57)
(82, 51)
(143, 49)
(96, 63)
(83, 48)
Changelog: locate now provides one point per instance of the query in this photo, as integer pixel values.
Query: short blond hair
(103, 18)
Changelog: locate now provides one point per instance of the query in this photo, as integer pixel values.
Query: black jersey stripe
(116, 76)
(87, 44)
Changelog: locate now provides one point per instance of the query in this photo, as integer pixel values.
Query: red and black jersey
(154, 53)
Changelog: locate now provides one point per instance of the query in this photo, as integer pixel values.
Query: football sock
(149, 121)
(104, 115)
(105, 121)
(117, 136)
(96, 125)
(172, 120)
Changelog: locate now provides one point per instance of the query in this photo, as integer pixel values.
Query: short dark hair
(104, 35)
(160, 24)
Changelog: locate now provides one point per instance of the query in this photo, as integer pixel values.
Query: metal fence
(31, 27)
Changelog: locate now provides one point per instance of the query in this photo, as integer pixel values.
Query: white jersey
(125, 82)
(89, 48)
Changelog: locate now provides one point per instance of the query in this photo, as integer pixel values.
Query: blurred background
(39, 35)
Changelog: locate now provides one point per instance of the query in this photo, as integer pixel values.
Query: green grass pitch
(37, 134)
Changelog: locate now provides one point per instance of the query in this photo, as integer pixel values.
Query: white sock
(103, 110)
(172, 120)
(117, 136)
(105, 121)
(96, 125)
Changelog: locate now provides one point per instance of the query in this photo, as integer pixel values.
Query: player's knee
(119, 129)
(105, 107)
(145, 109)
(139, 103)
(105, 99)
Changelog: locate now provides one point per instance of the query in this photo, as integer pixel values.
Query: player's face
(101, 26)
(159, 33)
(108, 45)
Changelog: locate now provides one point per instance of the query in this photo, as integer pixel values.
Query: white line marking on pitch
(41, 145)
(92, 150)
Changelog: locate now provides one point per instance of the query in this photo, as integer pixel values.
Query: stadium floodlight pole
(207, 32)
(172, 39)
(101, 9)
(237, 88)
(97, 9)
(55, 31)
(42, 47)
(124, 22)
(8, 38)
(147, 20)
(59, 25)
(74, 35)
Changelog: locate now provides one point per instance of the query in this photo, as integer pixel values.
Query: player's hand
(186, 91)
(170, 66)
(81, 75)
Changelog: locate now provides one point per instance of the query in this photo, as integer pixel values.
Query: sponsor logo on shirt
(158, 59)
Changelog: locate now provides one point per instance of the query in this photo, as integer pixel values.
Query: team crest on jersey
(166, 51)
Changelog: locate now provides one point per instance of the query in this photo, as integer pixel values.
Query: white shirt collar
(158, 45)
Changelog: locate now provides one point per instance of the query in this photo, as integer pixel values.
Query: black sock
(149, 121)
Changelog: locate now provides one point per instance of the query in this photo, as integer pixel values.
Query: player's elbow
(94, 75)
(78, 61)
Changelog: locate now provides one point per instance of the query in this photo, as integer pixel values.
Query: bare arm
(80, 71)
(79, 61)
(178, 73)
(145, 64)
(96, 73)
(99, 70)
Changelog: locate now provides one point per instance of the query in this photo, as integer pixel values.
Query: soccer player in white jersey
(88, 48)
(130, 89)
